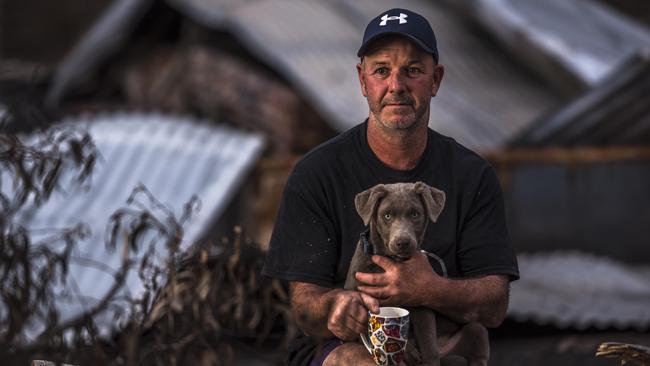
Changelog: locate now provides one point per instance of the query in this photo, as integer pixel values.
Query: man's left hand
(402, 283)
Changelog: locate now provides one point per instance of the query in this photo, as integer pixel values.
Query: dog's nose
(402, 244)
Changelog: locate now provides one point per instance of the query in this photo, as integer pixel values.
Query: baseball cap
(402, 22)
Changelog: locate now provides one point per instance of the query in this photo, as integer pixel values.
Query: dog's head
(399, 214)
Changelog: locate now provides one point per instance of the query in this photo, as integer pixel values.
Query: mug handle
(366, 342)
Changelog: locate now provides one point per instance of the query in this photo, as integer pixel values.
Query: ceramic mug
(387, 335)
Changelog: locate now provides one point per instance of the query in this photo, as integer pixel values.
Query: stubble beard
(401, 125)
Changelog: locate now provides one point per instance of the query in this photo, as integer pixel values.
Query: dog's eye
(387, 216)
(415, 214)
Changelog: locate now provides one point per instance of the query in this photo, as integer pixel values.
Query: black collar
(368, 249)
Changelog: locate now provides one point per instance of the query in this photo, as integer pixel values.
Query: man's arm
(482, 299)
(323, 312)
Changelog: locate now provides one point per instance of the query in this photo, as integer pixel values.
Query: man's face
(398, 79)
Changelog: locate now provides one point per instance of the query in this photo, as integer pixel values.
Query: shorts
(324, 351)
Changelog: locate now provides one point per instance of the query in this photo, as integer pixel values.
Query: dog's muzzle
(369, 249)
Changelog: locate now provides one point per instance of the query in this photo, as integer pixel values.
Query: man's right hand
(348, 314)
(324, 312)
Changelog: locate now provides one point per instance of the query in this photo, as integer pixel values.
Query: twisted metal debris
(628, 353)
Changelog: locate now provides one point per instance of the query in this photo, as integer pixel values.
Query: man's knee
(349, 353)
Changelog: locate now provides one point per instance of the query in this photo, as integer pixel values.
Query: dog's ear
(433, 198)
(367, 201)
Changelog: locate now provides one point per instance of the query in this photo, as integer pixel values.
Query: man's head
(399, 70)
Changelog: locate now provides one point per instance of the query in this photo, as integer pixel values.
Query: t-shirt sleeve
(484, 243)
(303, 244)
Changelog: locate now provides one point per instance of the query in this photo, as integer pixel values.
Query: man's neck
(399, 150)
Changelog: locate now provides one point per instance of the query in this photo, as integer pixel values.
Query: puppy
(397, 216)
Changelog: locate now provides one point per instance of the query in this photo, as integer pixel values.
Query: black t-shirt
(317, 226)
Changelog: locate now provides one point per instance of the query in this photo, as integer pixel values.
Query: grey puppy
(397, 216)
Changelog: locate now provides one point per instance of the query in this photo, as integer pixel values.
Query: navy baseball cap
(402, 22)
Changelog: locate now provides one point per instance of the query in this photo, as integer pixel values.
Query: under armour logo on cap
(402, 19)
(416, 28)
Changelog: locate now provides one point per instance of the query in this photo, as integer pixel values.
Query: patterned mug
(387, 335)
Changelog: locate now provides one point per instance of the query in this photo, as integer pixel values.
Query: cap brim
(421, 44)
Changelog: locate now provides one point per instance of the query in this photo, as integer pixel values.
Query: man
(317, 227)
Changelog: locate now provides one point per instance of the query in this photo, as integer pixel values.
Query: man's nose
(396, 82)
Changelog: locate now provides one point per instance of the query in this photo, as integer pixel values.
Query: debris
(627, 353)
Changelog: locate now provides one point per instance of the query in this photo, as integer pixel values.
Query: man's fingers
(371, 303)
(349, 315)
(383, 262)
(357, 309)
(357, 320)
(375, 292)
(374, 279)
(348, 329)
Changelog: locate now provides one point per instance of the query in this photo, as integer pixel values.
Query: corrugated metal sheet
(615, 112)
(485, 99)
(588, 199)
(174, 157)
(582, 40)
(309, 42)
(573, 289)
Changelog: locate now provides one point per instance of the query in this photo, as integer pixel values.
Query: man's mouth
(397, 103)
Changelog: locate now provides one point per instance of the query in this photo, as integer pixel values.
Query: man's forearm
(322, 312)
(482, 299)
(311, 305)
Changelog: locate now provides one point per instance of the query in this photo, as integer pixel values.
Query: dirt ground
(532, 345)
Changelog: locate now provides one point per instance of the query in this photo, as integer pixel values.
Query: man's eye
(387, 216)
(413, 70)
(381, 71)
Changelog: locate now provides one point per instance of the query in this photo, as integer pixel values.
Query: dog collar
(368, 249)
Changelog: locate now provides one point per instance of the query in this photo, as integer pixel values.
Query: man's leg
(349, 354)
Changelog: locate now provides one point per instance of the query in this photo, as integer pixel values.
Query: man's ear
(367, 201)
(433, 198)
(362, 80)
(438, 73)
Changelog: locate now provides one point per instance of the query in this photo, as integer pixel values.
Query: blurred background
(219, 98)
